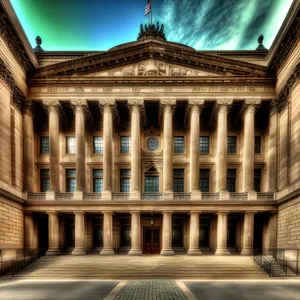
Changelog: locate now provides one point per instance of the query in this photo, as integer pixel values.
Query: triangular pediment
(152, 58)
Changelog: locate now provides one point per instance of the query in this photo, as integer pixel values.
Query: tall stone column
(53, 232)
(272, 153)
(135, 233)
(28, 148)
(222, 233)
(249, 136)
(79, 233)
(168, 148)
(107, 233)
(248, 234)
(196, 105)
(135, 192)
(28, 230)
(221, 157)
(107, 147)
(53, 108)
(194, 233)
(167, 234)
(80, 106)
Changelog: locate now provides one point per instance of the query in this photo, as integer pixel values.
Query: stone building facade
(149, 147)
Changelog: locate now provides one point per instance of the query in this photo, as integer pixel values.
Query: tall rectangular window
(125, 180)
(204, 180)
(178, 144)
(70, 180)
(231, 144)
(257, 177)
(45, 180)
(178, 180)
(44, 145)
(97, 180)
(204, 144)
(257, 144)
(97, 144)
(231, 180)
(71, 144)
(125, 144)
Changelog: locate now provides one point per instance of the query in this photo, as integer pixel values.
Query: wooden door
(151, 241)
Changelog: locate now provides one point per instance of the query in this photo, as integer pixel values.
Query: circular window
(152, 144)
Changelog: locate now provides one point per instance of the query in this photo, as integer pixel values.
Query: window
(125, 180)
(45, 180)
(97, 144)
(178, 144)
(151, 181)
(71, 144)
(231, 144)
(204, 144)
(257, 144)
(204, 180)
(231, 178)
(44, 144)
(97, 180)
(178, 180)
(257, 176)
(71, 180)
(125, 144)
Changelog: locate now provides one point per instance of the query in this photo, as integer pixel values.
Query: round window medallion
(152, 144)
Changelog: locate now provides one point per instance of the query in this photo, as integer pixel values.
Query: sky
(102, 24)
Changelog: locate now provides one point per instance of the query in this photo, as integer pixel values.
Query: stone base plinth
(247, 252)
(168, 196)
(252, 195)
(135, 195)
(196, 195)
(50, 195)
(79, 251)
(224, 195)
(78, 195)
(222, 252)
(194, 252)
(135, 252)
(107, 252)
(167, 252)
(53, 252)
(106, 195)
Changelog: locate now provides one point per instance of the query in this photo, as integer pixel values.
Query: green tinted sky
(100, 25)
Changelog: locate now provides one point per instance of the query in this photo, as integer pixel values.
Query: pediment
(151, 67)
(151, 58)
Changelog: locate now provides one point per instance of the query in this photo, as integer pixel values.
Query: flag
(147, 8)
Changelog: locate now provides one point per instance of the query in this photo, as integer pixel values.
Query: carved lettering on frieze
(183, 90)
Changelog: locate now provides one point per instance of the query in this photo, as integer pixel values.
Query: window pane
(125, 185)
(178, 173)
(71, 144)
(125, 144)
(45, 172)
(97, 173)
(257, 144)
(98, 185)
(125, 172)
(204, 144)
(257, 177)
(178, 185)
(151, 184)
(231, 144)
(204, 180)
(44, 144)
(98, 144)
(71, 173)
(178, 144)
(231, 179)
(71, 185)
(45, 184)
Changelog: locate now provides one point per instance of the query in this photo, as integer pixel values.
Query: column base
(107, 252)
(53, 252)
(224, 195)
(135, 195)
(196, 195)
(252, 195)
(106, 195)
(50, 195)
(167, 252)
(247, 252)
(168, 196)
(78, 251)
(135, 252)
(194, 252)
(222, 252)
(78, 195)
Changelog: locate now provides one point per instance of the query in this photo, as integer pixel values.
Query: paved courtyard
(149, 290)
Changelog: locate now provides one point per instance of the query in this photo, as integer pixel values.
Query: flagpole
(150, 12)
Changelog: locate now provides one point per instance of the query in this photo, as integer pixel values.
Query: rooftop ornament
(261, 47)
(152, 31)
(38, 47)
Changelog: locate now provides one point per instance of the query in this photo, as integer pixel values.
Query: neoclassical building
(150, 147)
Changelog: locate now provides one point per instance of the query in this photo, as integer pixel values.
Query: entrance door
(151, 241)
(98, 236)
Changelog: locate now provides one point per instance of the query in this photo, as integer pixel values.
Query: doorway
(151, 241)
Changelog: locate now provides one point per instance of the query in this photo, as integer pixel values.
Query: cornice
(152, 50)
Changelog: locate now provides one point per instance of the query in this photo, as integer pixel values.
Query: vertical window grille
(71, 144)
(204, 144)
(125, 180)
(178, 144)
(97, 144)
(257, 177)
(204, 180)
(231, 180)
(97, 180)
(178, 180)
(44, 180)
(71, 180)
(257, 145)
(231, 144)
(125, 144)
(44, 144)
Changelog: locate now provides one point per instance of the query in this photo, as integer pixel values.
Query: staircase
(278, 270)
(94, 266)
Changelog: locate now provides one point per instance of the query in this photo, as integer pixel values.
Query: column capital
(167, 211)
(222, 104)
(51, 105)
(28, 107)
(250, 105)
(195, 212)
(108, 212)
(196, 102)
(79, 212)
(250, 212)
(222, 212)
(107, 102)
(52, 212)
(135, 212)
(168, 102)
(135, 102)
